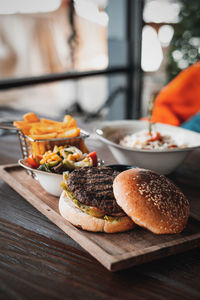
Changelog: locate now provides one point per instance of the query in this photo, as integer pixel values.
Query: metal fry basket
(29, 145)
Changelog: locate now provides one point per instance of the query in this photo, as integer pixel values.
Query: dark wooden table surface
(39, 261)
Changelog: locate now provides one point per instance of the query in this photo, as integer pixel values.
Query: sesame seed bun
(82, 220)
(151, 201)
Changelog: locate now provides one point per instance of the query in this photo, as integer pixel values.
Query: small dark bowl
(120, 168)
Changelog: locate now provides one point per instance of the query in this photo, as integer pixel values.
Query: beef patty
(93, 186)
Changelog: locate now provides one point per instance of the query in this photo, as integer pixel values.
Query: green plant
(185, 46)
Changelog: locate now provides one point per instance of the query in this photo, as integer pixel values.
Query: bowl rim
(113, 124)
(22, 163)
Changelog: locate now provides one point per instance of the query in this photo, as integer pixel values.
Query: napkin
(179, 101)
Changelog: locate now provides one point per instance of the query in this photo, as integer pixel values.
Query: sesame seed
(163, 195)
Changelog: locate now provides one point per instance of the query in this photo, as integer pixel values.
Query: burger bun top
(151, 200)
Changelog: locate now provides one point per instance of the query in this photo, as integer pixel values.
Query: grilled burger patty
(93, 186)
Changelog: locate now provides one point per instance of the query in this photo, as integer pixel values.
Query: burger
(88, 202)
(106, 200)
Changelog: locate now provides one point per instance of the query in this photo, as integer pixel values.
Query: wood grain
(36, 267)
(116, 251)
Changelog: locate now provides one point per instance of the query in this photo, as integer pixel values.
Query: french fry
(32, 126)
(39, 128)
(71, 132)
(31, 117)
(47, 121)
(18, 124)
(25, 127)
(21, 124)
(69, 121)
(45, 129)
(42, 130)
(41, 148)
(43, 136)
(67, 118)
(34, 148)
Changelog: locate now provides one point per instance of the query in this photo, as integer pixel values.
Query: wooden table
(39, 261)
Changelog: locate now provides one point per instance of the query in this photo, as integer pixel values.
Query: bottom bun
(78, 218)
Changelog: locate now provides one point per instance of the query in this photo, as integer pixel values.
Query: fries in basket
(43, 134)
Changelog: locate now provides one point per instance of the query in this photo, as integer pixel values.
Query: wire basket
(38, 147)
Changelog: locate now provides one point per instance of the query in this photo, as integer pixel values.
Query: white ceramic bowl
(49, 181)
(164, 161)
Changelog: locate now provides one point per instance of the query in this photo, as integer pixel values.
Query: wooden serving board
(115, 251)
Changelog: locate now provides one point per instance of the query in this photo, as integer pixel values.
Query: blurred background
(143, 44)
